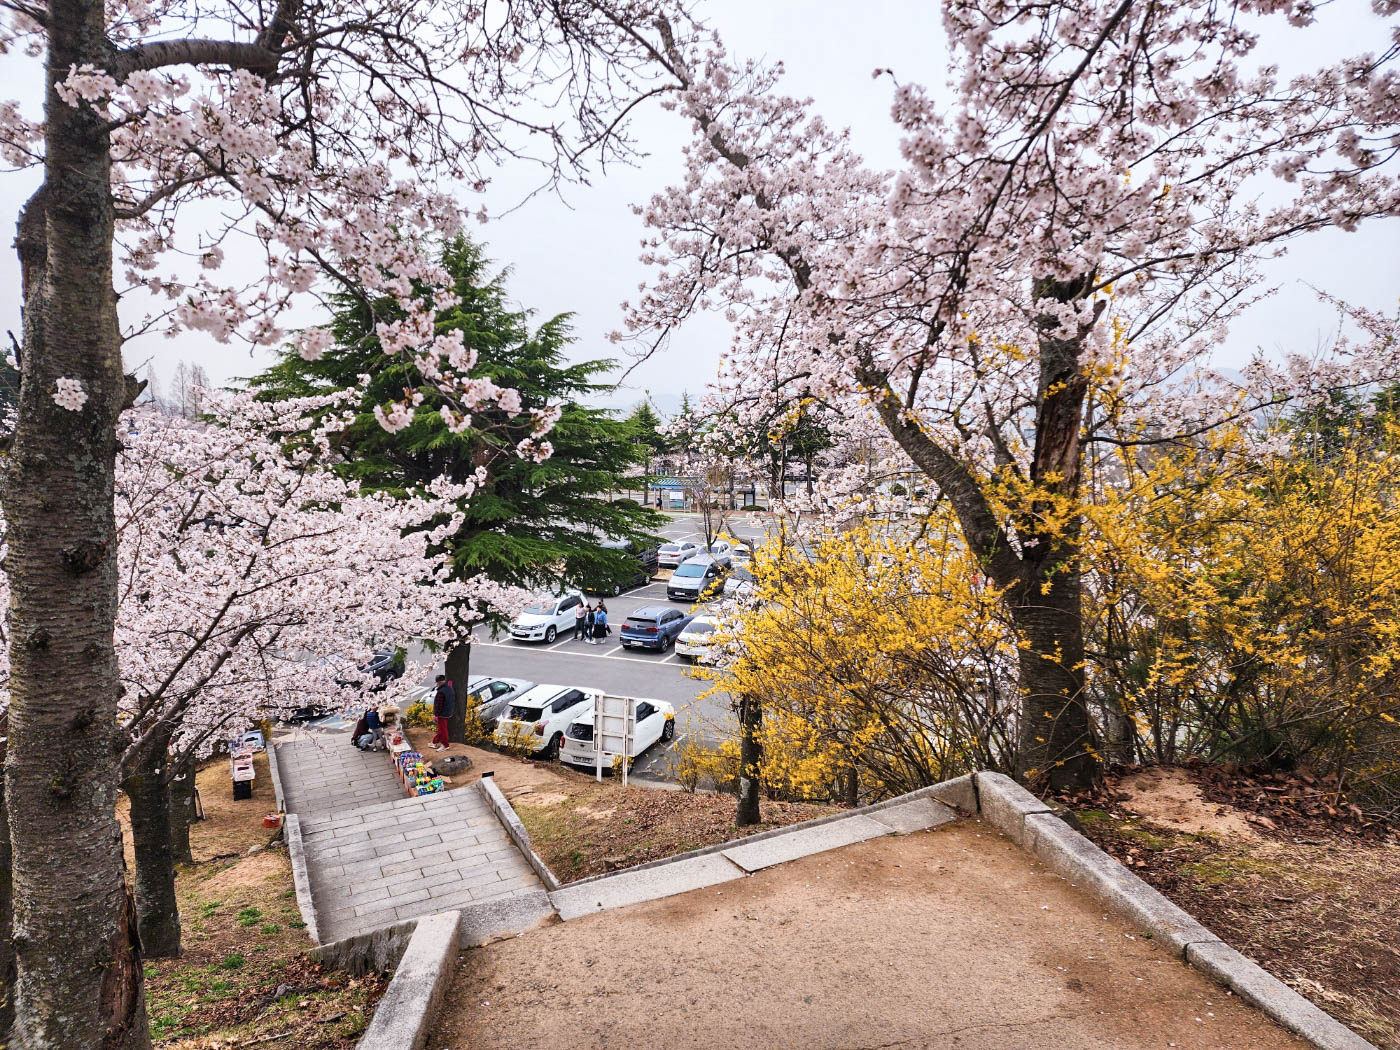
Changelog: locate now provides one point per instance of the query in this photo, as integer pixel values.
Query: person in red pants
(444, 703)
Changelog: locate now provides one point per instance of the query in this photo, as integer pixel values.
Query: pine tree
(534, 525)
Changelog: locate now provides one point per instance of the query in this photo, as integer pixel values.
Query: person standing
(579, 611)
(588, 624)
(444, 703)
(600, 625)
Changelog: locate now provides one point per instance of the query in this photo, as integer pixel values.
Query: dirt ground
(952, 938)
(243, 973)
(1315, 905)
(581, 827)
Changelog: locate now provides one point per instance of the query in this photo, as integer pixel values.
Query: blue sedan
(653, 627)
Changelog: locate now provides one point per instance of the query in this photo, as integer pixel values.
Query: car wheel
(670, 643)
(669, 733)
(551, 753)
(617, 589)
(550, 634)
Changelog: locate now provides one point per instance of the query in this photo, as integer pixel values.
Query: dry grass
(244, 942)
(583, 828)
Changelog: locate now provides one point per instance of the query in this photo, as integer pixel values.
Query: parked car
(672, 554)
(739, 582)
(693, 644)
(656, 721)
(543, 620)
(643, 559)
(491, 696)
(383, 666)
(740, 555)
(722, 551)
(652, 627)
(695, 580)
(535, 720)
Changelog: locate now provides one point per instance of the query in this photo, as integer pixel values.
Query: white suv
(656, 722)
(536, 720)
(546, 618)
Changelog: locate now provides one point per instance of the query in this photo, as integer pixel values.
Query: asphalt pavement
(570, 661)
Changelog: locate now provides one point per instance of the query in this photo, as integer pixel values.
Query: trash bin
(241, 768)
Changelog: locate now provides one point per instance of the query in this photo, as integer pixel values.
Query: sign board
(675, 483)
(614, 730)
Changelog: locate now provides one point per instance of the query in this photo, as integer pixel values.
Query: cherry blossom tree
(333, 138)
(251, 578)
(1050, 267)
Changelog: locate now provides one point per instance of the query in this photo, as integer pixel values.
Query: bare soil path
(952, 938)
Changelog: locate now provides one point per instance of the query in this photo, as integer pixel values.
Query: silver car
(492, 695)
(672, 554)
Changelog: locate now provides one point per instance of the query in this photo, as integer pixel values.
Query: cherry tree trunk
(79, 980)
(7, 948)
(1056, 744)
(157, 913)
(750, 756)
(1056, 741)
(459, 669)
(182, 784)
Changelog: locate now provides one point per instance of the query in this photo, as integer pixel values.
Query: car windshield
(670, 548)
(540, 610)
(691, 568)
(523, 714)
(700, 627)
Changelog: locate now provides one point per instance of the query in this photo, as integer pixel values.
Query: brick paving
(375, 856)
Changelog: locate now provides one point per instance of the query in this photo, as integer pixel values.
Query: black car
(642, 560)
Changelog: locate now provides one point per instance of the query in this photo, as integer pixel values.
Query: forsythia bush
(881, 664)
(1242, 603)
(1247, 607)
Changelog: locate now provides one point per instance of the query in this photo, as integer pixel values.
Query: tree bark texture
(182, 812)
(750, 757)
(157, 912)
(1057, 746)
(7, 948)
(79, 982)
(459, 669)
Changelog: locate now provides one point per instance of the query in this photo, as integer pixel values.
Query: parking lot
(640, 673)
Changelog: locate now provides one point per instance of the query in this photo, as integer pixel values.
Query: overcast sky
(579, 254)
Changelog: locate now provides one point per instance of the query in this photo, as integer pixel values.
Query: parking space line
(617, 654)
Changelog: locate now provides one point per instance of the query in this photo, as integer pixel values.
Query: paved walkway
(324, 773)
(375, 856)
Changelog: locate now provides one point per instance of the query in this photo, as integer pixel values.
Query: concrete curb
(376, 950)
(276, 776)
(955, 793)
(506, 814)
(1034, 826)
(424, 972)
(301, 879)
(490, 920)
(736, 858)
